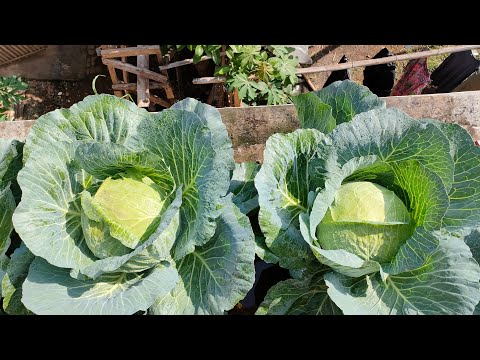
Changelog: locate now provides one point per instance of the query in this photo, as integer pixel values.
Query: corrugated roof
(11, 53)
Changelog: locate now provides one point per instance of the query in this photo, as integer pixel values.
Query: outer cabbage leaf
(97, 118)
(283, 185)
(473, 241)
(16, 272)
(337, 103)
(464, 196)
(243, 187)
(216, 275)
(305, 296)
(51, 290)
(446, 283)
(10, 164)
(187, 143)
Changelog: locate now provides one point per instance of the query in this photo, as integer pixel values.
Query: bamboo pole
(386, 60)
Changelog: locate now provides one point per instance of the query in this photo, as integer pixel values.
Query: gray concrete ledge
(250, 127)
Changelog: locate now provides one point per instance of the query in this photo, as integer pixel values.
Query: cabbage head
(372, 211)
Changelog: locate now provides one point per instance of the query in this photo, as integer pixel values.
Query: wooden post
(113, 76)
(136, 70)
(143, 89)
(124, 72)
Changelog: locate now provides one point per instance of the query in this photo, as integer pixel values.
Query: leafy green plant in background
(124, 211)
(10, 93)
(262, 74)
(372, 212)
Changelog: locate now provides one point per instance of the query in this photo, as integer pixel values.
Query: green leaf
(414, 252)
(7, 207)
(348, 99)
(450, 277)
(305, 296)
(196, 147)
(216, 57)
(283, 185)
(425, 193)
(263, 252)
(247, 54)
(285, 68)
(48, 219)
(464, 196)
(50, 290)
(4, 260)
(264, 71)
(473, 241)
(103, 160)
(242, 186)
(209, 114)
(198, 53)
(246, 88)
(98, 118)
(16, 273)
(313, 113)
(217, 275)
(393, 136)
(11, 152)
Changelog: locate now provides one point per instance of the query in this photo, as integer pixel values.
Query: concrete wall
(250, 127)
(56, 62)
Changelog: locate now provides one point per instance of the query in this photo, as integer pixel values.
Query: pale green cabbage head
(367, 220)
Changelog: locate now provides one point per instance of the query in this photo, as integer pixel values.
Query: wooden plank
(309, 83)
(249, 127)
(185, 62)
(236, 99)
(169, 92)
(113, 76)
(182, 63)
(136, 70)
(133, 86)
(143, 90)
(130, 51)
(209, 80)
(124, 72)
(159, 101)
(168, 89)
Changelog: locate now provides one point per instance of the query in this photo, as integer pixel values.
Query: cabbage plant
(10, 164)
(372, 211)
(125, 211)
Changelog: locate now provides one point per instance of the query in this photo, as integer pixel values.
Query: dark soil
(45, 96)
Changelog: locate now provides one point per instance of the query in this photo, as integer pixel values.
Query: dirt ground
(45, 96)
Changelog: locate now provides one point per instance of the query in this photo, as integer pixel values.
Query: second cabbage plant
(372, 211)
